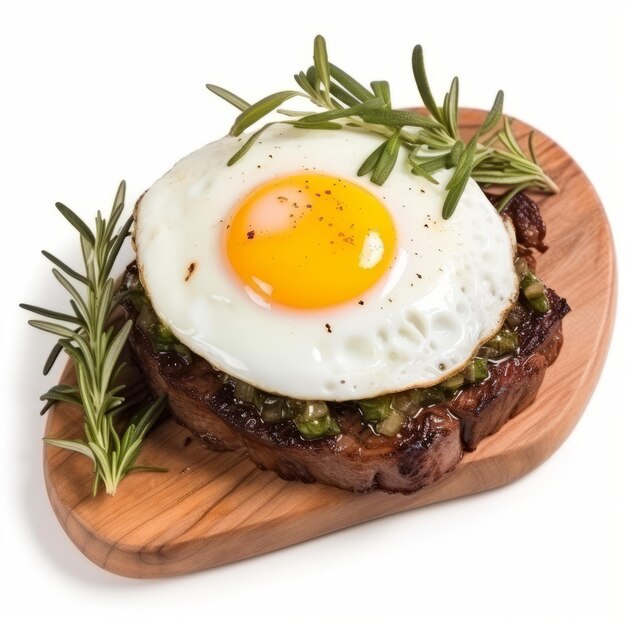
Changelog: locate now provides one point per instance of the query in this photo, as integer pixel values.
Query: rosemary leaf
(494, 114)
(451, 108)
(229, 96)
(51, 327)
(419, 73)
(465, 165)
(357, 110)
(74, 446)
(435, 139)
(381, 90)
(507, 138)
(117, 242)
(352, 85)
(459, 180)
(455, 154)
(341, 94)
(55, 315)
(398, 118)
(501, 178)
(320, 58)
(52, 357)
(47, 406)
(116, 213)
(305, 85)
(418, 170)
(294, 113)
(313, 79)
(62, 393)
(431, 165)
(317, 125)
(370, 163)
(249, 143)
(454, 195)
(76, 222)
(68, 270)
(115, 438)
(77, 298)
(113, 353)
(259, 110)
(386, 160)
(531, 147)
(118, 207)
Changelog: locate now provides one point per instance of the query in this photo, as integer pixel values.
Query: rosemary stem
(95, 349)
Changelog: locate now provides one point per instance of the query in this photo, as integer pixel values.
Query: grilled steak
(530, 230)
(512, 385)
(429, 444)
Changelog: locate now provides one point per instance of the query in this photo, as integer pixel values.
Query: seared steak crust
(530, 229)
(430, 444)
(358, 459)
(513, 383)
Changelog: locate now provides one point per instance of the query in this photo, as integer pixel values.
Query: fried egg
(289, 272)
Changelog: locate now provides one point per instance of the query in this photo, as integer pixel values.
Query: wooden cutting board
(212, 508)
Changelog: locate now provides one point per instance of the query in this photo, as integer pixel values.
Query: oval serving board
(212, 508)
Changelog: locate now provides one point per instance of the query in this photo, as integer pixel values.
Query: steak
(430, 443)
(530, 229)
(485, 407)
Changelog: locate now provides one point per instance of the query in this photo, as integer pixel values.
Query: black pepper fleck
(328, 328)
(190, 269)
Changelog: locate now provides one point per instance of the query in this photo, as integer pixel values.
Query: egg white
(449, 288)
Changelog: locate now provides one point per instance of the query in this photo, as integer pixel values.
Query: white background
(94, 92)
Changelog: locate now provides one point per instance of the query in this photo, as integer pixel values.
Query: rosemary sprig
(94, 346)
(432, 142)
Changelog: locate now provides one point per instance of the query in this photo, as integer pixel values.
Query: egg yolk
(310, 240)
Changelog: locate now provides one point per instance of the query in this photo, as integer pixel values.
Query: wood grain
(212, 508)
